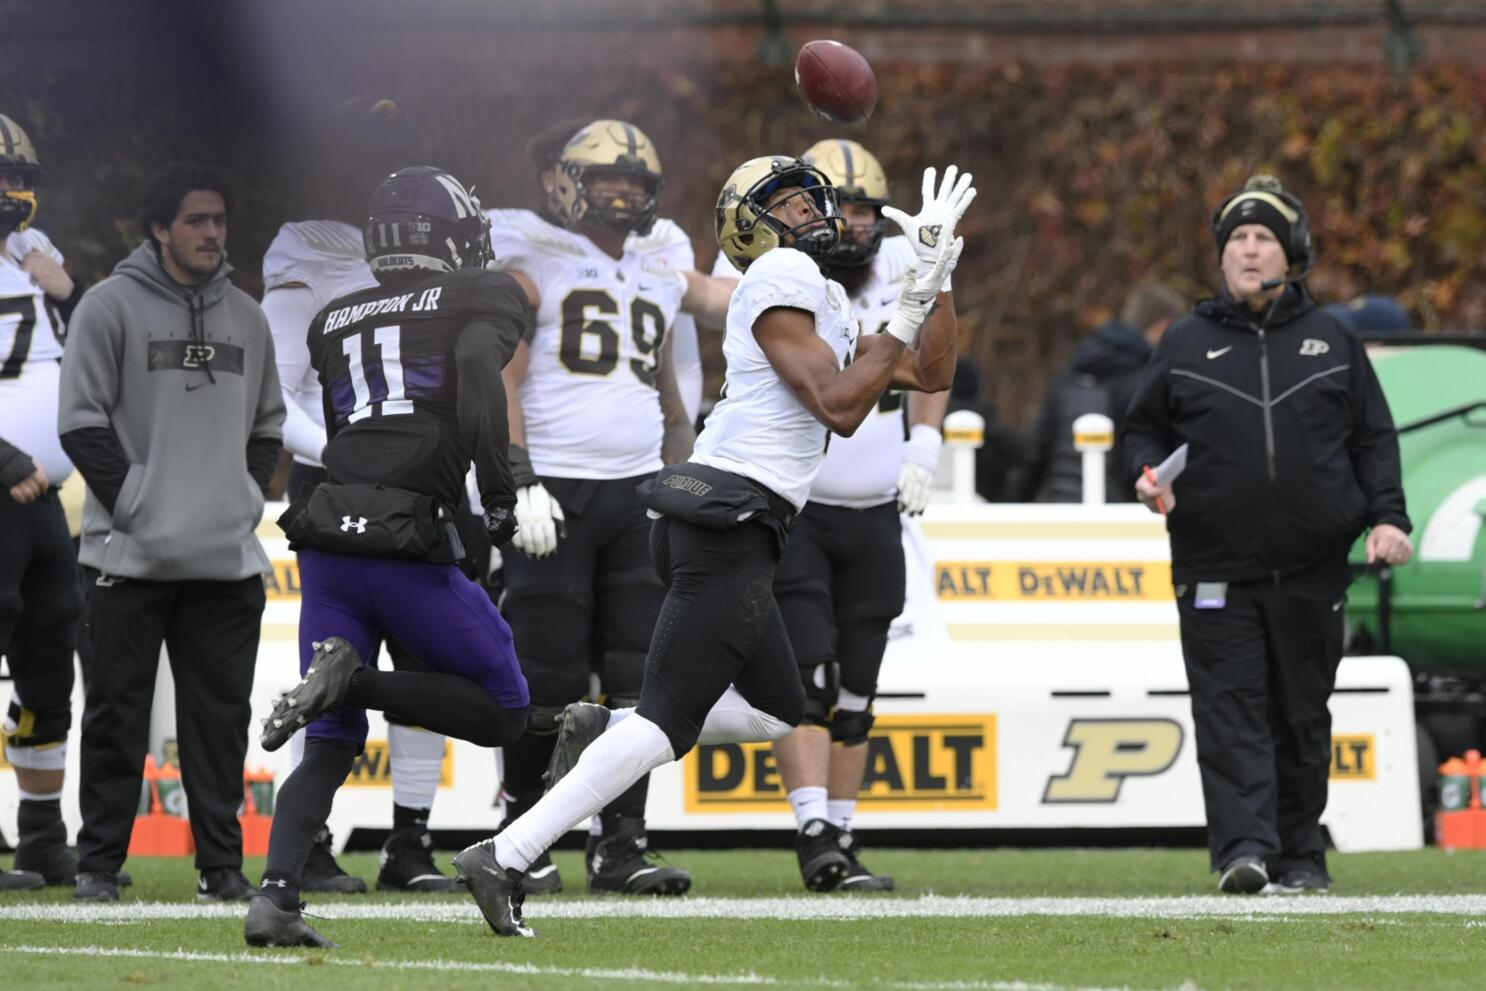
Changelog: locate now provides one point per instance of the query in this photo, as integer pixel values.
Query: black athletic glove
(500, 525)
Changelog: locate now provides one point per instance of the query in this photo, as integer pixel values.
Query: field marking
(632, 974)
(797, 908)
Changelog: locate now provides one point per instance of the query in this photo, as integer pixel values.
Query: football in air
(836, 82)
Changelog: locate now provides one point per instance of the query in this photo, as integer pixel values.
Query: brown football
(836, 82)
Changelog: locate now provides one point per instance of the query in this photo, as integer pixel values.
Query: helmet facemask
(626, 211)
(18, 206)
(820, 236)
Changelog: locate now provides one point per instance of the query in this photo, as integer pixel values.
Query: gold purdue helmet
(17, 156)
(746, 229)
(607, 146)
(858, 178)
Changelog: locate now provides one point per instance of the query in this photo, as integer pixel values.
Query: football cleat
(322, 873)
(96, 886)
(23, 881)
(269, 925)
(407, 864)
(579, 725)
(1299, 881)
(858, 877)
(624, 863)
(224, 884)
(496, 890)
(323, 688)
(542, 877)
(1243, 876)
(823, 861)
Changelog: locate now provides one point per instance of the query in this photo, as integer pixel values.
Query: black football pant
(719, 626)
(840, 584)
(210, 629)
(589, 607)
(1261, 670)
(39, 601)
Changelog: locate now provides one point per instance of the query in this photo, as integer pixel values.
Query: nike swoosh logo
(1219, 352)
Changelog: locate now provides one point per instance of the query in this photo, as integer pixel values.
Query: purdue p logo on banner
(1107, 751)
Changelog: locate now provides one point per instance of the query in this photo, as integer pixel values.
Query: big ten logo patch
(1107, 751)
(1063, 581)
(373, 768)
(283, 581)
(1354, 758)
(914, 763)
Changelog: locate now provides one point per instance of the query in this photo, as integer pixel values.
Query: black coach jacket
(1293, 451)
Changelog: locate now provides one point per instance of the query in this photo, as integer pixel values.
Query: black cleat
(624, 863)
(269, 925)
(323, 688)
(496, 890)
(823, 861)
(23, 881)
(858, 877)
(407, 864)
(1300, 881)
(322, 873)
(96, 886)
(224, 884)
(1243, 876)
(541, 878)
(579, 725)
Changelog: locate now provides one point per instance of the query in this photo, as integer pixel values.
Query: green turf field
(961, 921)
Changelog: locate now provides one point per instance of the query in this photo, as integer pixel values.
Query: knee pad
(822, 689)
(623, 673)
(36, 739)
(851, 726)
(542, 719)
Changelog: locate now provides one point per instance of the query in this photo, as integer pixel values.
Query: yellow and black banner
(1053, 581)
(373, 769)
(914, 764)
(1354, 758)
(283, 581)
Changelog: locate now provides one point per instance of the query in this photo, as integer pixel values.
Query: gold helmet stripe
(851, 172)
(5, 136)
(631, 144)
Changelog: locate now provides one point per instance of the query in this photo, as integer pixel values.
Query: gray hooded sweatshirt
(184, 378)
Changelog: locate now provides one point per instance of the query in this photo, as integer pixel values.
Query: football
(836, 82)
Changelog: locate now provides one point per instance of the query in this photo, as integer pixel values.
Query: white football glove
(540, 519)
(935, 223)
(920, 287)
(920, 464)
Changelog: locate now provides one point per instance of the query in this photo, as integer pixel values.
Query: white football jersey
(861, 471)
(327, 258)
(589, 397)
(686, 356)
(30, 358)
(759, 429)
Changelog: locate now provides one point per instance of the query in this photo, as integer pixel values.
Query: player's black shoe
(579, 725)
(407, 864)
(269, 925)
(823, 862)
(1243, 876)
(23, 881)
(858, 877)
(224, 884)
(541, 877)
(323, 688)
(496, 890)
(322, 873)
(55, 862)
(1300, 881)
(624, 863)
(96, 886)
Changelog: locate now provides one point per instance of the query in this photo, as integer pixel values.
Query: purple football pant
(444, 620)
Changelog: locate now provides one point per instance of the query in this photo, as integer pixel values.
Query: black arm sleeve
(263, 458)
(1145, 437)
(1374, 447)
(97, 453)
(66, 306)
(15, 465)
(480, 356)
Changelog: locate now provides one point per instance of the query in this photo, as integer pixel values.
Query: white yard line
(797, 908)
(601, 974)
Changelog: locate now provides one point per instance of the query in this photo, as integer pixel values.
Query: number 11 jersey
(589, 398)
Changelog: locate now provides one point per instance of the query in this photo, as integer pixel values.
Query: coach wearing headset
(1292, 455)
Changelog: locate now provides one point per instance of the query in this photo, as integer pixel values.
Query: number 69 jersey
(589, 398)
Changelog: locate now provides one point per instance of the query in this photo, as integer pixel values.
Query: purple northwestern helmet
(422, 219)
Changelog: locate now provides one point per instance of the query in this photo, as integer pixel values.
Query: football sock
(443, 703)
(408, 817)
(613, 762)
(40, 820)
(809, 803)
(840, 812)
(733, 720)
(417, 758)
(303, 805)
